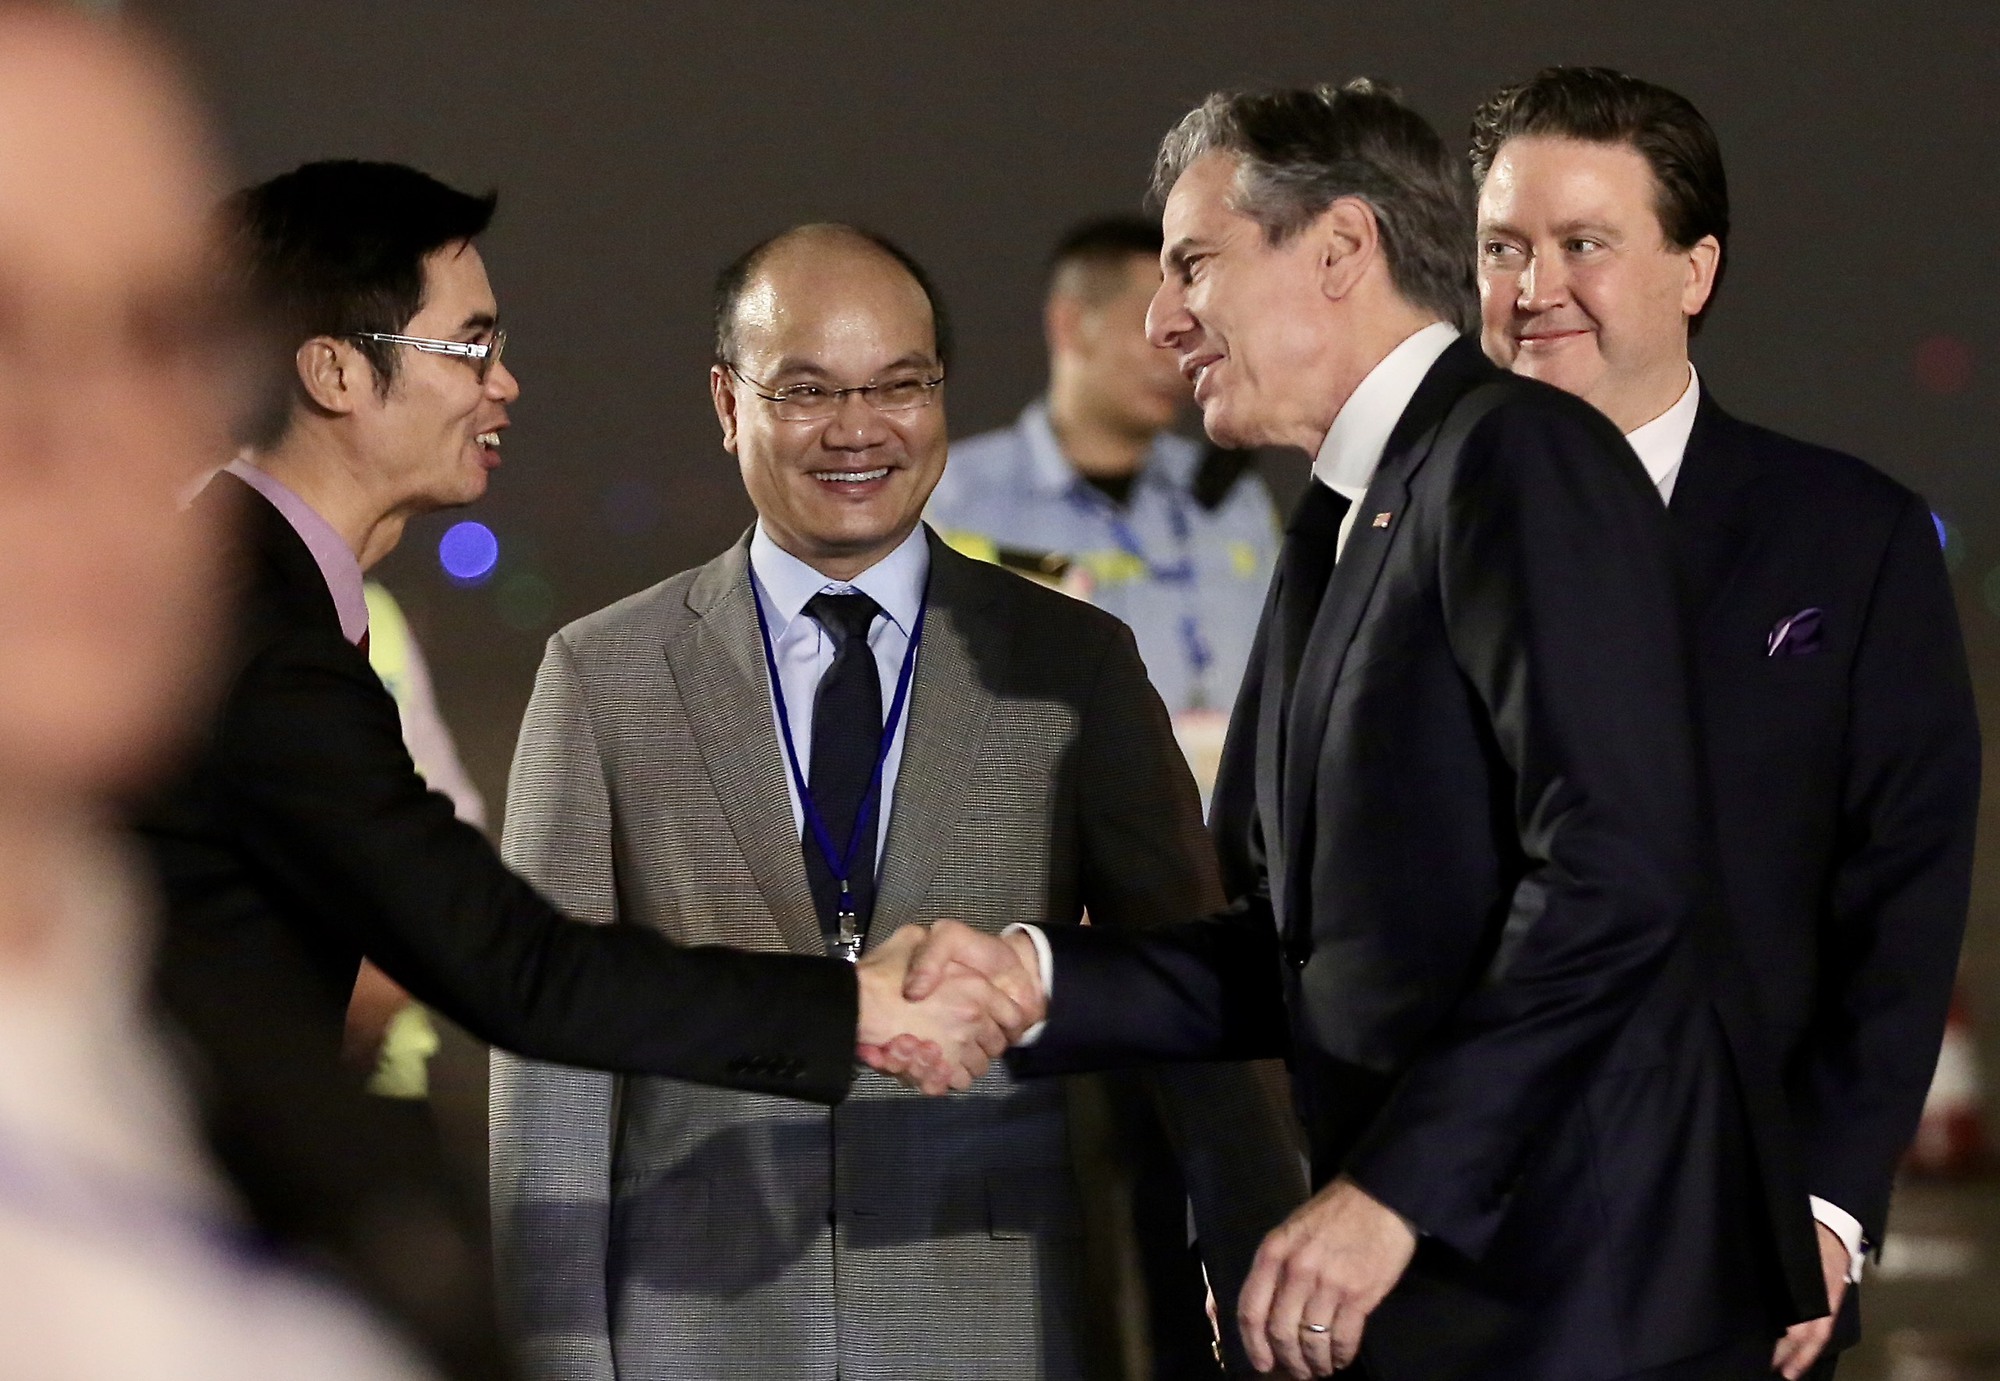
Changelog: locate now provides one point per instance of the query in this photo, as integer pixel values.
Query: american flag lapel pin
(1382, 519)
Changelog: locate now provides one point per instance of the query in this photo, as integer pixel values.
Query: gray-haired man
(1458, 810)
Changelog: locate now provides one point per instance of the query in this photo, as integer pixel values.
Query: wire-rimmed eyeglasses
(817, 402)
(482, 355)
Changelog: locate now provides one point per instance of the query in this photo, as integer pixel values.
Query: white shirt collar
(1354, 443)
(1662, 442)
(896, 582)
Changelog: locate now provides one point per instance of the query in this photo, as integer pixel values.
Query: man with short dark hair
(1459, 810)
(825, 737)
(302, 840)
(1842, 743)
(1093, 473)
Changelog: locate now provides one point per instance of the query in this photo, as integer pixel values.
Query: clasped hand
(938, 1005)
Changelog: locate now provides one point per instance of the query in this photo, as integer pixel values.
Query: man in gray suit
(837, 728)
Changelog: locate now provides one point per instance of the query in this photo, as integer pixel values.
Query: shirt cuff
(1045, 960)
(1843, 1225)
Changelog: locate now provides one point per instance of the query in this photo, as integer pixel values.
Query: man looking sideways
(1842, 744)
(1459, 811)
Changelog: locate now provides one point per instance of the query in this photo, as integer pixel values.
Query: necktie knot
(1320, 512)
(844, 616)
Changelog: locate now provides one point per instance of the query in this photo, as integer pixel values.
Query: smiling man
(1842, 742)
(834, 732)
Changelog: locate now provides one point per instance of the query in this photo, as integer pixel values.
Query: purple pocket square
(1795, 636)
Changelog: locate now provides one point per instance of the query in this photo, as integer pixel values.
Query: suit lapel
(1379, 518)
(949, 710)
(1709, 514)
(718, 664)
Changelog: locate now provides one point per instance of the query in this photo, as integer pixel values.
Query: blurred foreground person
(1836, 706)
(121, 1253)
(841, 696)
(1460, 809)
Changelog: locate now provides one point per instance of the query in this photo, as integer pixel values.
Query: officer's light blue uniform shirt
(1190, 582)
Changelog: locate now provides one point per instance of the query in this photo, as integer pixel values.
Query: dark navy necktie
(846, 741)
(1305, 565)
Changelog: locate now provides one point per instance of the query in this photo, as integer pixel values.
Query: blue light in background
(468, 551)
(1944, 533)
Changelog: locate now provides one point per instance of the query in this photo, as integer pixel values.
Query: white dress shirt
(1662, 442)
(1661, 445)
(1360, 431)
(804, 650)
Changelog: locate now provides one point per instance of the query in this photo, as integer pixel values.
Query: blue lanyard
(1193, 645)
(841, 862)
(1180, 573)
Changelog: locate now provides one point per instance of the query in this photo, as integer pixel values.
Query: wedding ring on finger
(1315, 1328)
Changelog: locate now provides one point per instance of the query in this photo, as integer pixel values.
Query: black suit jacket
(1477, 914)
(1845, 772)
(303, 837)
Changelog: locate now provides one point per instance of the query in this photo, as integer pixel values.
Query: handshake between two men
(941, 1003)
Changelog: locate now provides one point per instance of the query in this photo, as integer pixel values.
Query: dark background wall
(638, 147)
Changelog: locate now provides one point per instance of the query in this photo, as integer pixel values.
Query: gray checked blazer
(649, 1228)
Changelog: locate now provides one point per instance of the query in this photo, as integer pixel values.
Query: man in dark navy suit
(1831, 685)
(1461, 814)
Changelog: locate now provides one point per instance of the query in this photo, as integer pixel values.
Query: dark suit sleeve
(1559, 603)
(324, 801)
(1901, 885)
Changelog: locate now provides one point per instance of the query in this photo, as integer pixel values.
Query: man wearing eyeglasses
(302, 839)
(853, 730)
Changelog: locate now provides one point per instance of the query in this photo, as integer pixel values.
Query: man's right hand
(947, 1039)
(1009, 962)
(952, 956)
